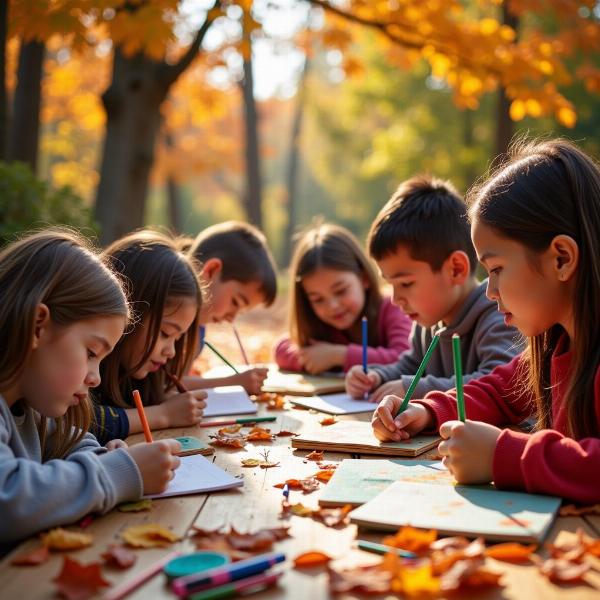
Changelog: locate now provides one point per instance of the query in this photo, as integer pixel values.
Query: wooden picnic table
(258, 505)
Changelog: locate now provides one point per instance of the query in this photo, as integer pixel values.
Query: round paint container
(194, 563)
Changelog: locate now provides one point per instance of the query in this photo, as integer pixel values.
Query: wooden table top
(255, 506)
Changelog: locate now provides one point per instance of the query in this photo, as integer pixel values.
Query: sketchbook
(228, 400)
(356, 481)
(335, 404)
(357, 437)
(197, 475)
(460, 510)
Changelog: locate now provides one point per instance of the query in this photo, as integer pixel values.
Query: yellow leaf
(63, 539)
(517, 110)
(488, 26)
(148, 536)
(566, 116)
(470, 85)
(533, 107)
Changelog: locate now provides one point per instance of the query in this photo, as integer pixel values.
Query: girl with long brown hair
(165, 294)
(61, 312)
(535, 225)
(334, 285)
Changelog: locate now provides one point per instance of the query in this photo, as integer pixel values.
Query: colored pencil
(209, 345)
(237, 421)
(124, 590)
(197, 582)
(460, 395)
(239, 341)
(286, 491)
(175, 380)
(365, 344)
(256, 583)
(417, 377)
(140, 408)
(383, 549)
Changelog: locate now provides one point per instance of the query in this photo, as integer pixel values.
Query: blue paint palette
(194, 563)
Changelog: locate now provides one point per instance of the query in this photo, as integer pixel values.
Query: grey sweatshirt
(485, 342)
(36, 495)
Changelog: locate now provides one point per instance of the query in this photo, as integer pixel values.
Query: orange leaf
(328, 421)
(148, 536)
(77, 581)
(119, 556)
(36, 557)
(63, 539)
(259, 434)
(576, 511)
(315, 455)
(311, 559)
(324, 476)
(285, 433)
(412, 539)
(228, 442)
(511, 552)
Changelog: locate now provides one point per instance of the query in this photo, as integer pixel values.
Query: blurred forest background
(183, 113)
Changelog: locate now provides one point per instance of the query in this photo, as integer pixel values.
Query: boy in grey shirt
(422, 244)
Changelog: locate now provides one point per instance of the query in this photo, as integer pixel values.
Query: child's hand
(182, 410)
(468, 450)
(358, 383)
(157, 463)
(321, 356)
(408, 423)
(114, 444)
(390, 388)
(251, 380)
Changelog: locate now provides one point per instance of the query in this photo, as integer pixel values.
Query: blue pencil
(365, 344)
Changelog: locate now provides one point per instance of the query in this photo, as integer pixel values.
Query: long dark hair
(155, 272)
(545, 189)
(331, 247)
(59, 268)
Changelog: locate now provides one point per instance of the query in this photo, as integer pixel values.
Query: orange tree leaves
(77, 581)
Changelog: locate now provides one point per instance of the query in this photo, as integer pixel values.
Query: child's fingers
(384, 413)
(172, 446)
(199, 394)
(451, 428)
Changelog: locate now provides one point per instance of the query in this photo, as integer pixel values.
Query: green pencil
(382, 549)
(221, 357)
(241, 421)
(460, 396)
(415, 381)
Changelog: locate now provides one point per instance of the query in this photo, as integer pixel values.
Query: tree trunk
(132, 103)
(173, 195)
(292, 167)
(3, 93)
(505, 126)
(253, 195)
(25, 127)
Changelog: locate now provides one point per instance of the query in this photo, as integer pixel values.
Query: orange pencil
(140, 408)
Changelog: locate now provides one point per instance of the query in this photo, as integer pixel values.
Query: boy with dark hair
(421, 242)
(239, 273)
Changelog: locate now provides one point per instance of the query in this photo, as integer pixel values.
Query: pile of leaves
(238, 545)
(233, 437)
(272, 400)
(455, 564)
(311, 483)
(330, 517)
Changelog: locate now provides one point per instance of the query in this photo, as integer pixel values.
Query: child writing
(535, 226)
(61, 313)
(333, 285)
(422, 244)
(166, 298)
(238, 274)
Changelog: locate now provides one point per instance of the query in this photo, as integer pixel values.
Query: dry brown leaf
(315, 455)
(307, 485)
(148, 536)
(560, 570)
(328, 421)
(250, 462)
(332, 517)
(239, 545)
(258, 434)
(443, 560)
(324, 475)
(412, 539)
(63, 539)
(300, 510)
(511, 552)
(327, 466)
(225, 442)
(571, 510)
(265, 464)
(360, 580)
(573, 549)
(119, 556)
(230, 431)
(31, 559)
(309, 560)
(77, 581)
(285, 433)
(468, 574)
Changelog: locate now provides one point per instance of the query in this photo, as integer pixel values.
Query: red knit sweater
(545, 462)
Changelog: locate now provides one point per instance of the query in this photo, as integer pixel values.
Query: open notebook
(335, 404)
(197, 475)
(460, 510)
(357, 437)
(229, 400)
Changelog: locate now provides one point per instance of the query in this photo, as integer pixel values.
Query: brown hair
(244, 252)
(331, 247)
(155, 273)
(428, 217)
(545, 189)
(58, 268)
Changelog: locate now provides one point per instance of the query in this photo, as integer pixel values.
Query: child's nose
(491, 291)
(93, 378)
(169, 350)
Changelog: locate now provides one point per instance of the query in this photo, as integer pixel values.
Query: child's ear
(459, 267)
(565, 256)
(211, 269)
(42, 320)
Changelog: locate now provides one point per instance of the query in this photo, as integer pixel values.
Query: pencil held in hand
(140, 408)
(176, 381)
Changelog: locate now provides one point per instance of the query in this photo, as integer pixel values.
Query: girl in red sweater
(535, 227)
(333, 285)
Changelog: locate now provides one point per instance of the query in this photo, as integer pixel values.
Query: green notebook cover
(358, 481)
(460, 510)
